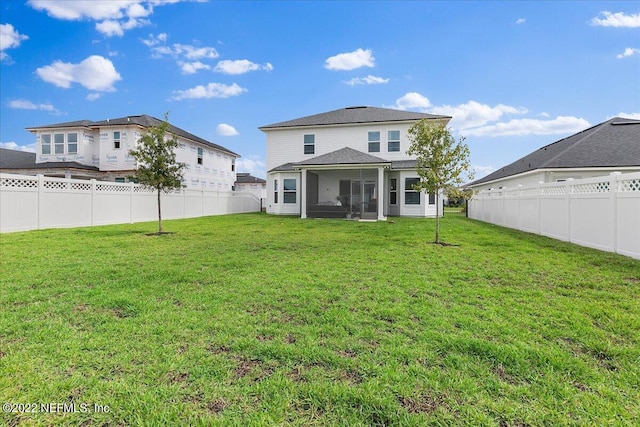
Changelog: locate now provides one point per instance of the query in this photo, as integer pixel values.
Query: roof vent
(356, 107)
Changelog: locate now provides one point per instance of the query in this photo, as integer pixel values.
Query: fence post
(540, 206)
(613, 189)
(93, 200)
(40, 191)
(131, 203)
(569, 191)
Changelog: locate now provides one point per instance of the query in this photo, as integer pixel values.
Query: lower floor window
(275, 191)
(289, 195)
(393, 191)
(411, 196)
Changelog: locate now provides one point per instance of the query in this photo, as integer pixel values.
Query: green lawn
(261, 320)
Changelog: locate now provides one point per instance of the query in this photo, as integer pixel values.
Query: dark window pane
(289, 185)
(290, 197)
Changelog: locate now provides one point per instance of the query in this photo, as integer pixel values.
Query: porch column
(303, 194)
(381, 216)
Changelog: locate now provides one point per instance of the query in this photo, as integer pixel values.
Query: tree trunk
(159, 214)
(437, 217)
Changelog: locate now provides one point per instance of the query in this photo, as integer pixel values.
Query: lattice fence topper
(628, 185)
(556, 190)
(84, 186)
(143, 189)
(18, 183)
(113, 188)
(55, 185)
(592, 188)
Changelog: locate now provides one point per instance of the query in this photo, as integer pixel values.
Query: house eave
(344, 166)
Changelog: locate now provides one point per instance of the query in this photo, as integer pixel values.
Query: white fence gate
(36, 202)
(601, 213)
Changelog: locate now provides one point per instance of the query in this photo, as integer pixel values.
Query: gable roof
(143, 120)
(14, 159)
(343, 156)
(351, 115)
(247, 178)
(614, 143)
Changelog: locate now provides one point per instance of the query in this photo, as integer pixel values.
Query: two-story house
(88, 149)
(347, 163)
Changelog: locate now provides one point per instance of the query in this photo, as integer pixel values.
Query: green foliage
(442, 162)
(156, 157)
(155, 154)
(279, 327)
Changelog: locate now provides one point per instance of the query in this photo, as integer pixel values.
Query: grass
(261, 320)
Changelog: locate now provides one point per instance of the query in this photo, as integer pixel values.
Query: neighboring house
(86, 149)
(611, 146)
(250, 184)
(347, 163)
(24, 163)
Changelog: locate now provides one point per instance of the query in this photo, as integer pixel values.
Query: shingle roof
(355, 115)
(14, 159)
(614, 143)
(246, 178)
(142, 120)
(343, 156)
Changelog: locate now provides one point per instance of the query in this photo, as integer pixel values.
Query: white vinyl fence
(601, 213)
(36, 202)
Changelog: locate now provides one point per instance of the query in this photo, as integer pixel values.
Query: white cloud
(473, 114)
(115, 17)
(25, 104)
(412, 100)
(628, 52)
(476, 119)
(635, 116)
(617, 20)
(369, 80)
(185, 51)
(192, 67)
(95, 73)
(31, 148)
(519, 127)
(351, 60)
(112, 28)
(521, 21)
(212, 90)
(93, 96)
(253, 165)
(226, 130)
(544, 114)
(240, 66)
(155, 40)
(9, 38)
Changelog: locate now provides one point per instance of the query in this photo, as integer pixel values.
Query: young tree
(156, 158)
(442, 162)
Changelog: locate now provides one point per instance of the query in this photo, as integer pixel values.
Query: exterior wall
(257, 189)
(287, 145)
(215, 171)
(37, 202)
(97, 148)
(279, 207)
(87, 148)
(601, 212)
(551, 175)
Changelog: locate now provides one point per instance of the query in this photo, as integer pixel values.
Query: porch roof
(343, 156)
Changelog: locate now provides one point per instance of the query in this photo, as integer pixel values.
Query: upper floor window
(393, 139)
(411, 196)
(200, 154)
(374, 142)
(72, 143)
(45, 143)
(309, 144)
(233, 164)
(58, 143)
(116, 139)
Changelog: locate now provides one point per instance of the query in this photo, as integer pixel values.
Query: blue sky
(514, 75)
